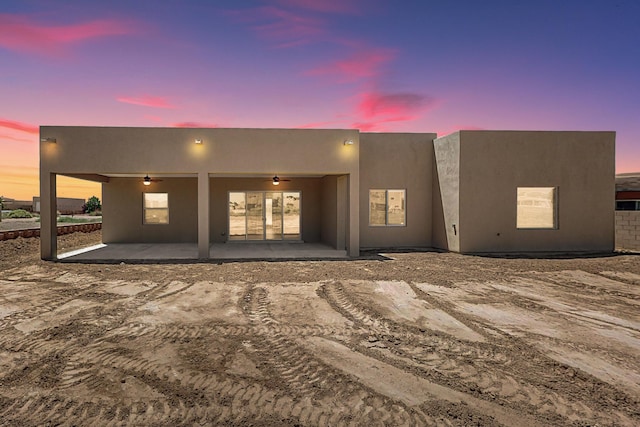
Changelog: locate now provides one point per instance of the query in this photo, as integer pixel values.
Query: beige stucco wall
(329, 210)
(628, 230)
(493, 164)
(446, 195)
(467, 180)
(123, 211)
(172, 150)
(397, 161)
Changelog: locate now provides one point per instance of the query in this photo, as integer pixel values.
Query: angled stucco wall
(493, 164)
(446, 195)
(397, 161)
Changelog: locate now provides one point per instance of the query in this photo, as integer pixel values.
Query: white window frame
(386, 207)
(145, 209)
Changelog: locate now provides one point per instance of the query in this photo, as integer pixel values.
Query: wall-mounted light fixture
(198, 141)
(348, 142)
(146, 180)
(49, 139)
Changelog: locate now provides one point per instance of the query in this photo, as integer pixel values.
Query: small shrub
(19, 213)
(92, 205)
(73, 220)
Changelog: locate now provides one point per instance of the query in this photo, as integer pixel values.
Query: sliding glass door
(255, 216)
(264, 215)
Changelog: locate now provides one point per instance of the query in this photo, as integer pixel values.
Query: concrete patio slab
(189, 251)
(134, 252)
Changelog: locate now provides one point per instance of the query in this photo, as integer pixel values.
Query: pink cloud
(24, 127)
(194, 125)
(376, 109)
(146, 101)
(20, 33)
(361, 65)
(325, 6)
(315, 125)
(284, 27)
(391, 105)
(367, 127)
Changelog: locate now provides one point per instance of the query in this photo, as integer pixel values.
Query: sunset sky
(402, 66)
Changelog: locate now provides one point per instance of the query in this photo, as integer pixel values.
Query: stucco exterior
(122, 211)
(580, 165)
(397, 161)
(459, 190)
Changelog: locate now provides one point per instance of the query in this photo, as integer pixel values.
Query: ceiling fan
(276, 180)
(147, 180)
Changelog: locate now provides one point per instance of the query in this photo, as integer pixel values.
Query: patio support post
(48, 217)
(353, 215)
(203, 215)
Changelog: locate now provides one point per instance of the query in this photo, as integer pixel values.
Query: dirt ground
(415, 338)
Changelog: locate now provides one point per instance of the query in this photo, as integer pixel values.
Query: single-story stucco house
(470, 192)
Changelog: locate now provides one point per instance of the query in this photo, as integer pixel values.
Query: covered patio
(167, 191)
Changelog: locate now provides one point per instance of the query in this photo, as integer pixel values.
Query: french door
(264, 215)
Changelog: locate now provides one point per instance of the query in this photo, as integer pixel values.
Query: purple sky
(414, 66)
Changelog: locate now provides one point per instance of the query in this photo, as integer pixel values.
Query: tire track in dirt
(472, 367)
(184, 332)
(86, 365)
(305, 373)
(58, 410)
(47, 301)
(191, 396)
(590, 287)
(205, 397)
(50, 295)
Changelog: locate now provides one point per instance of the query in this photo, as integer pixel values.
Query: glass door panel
(237, 216)
(291, 216)
(273, 215)
(259, 215)
(255, 216)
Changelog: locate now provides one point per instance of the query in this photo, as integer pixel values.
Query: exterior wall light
(51, 140)
(147, 180)
(198, 141)
(348, 142)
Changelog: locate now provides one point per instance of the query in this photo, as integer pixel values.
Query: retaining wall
(62, 229)
(628, 230)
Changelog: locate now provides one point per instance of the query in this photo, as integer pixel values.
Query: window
(387, 207)
(156, 208)
(628, 205)
(536, 208)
